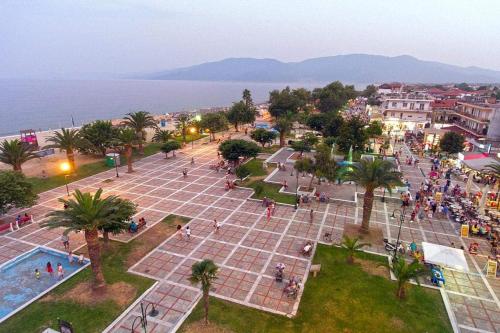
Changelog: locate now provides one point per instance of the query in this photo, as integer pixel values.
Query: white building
(406, 111)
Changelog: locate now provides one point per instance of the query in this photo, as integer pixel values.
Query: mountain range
(351, 68)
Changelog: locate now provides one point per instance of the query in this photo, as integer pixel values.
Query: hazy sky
(54, 38)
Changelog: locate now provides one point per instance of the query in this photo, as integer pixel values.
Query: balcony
(472, 117)
(462, 125)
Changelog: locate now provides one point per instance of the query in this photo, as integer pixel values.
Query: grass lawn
(270, 150)
(255, 181)
(342, 298)
(95, 317)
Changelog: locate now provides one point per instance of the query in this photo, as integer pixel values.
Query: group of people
(134, 227)
(59, 268)
(20, 220)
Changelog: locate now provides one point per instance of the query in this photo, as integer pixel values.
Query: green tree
(284, 125)
(283, 102)
(15, 191)
(405, 272)
(139, 121)
(247, 97)
(369, 91)
(97, 137)
(15, 153)
(452, 143)
(214, 122)
(334, 96)
(327, 123)
(329, 141)
(352, 133)
(310, 139)
(117, 226)
(352, 245)
(263, 136)
(374, 129)
(89, 213)
(204, 273)
(240, 114)
(232, 150)
(66, 140)
(243, 171)
(183, 123)
(170, 146)
(324, 164)
(372, 175)
(162, 135)
(464, 86)
(126, 139)
(305, 165)
(301, 146)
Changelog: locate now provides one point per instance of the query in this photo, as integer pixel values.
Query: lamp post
(296, 189)
(402, 215)
(66, 167)
(116, 165)
(144, 316)
(192, 130)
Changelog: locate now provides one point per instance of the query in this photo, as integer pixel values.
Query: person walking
(311, 216)
(188, 233)
(216, 226)
(65, 241)
(179, 232)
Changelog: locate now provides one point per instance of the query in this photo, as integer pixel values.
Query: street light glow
(65, 166)
(193, 130)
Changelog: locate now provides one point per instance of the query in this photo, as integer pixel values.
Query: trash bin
(110, 159)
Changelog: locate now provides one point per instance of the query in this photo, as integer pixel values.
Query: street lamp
(65, 167)
(144, 316)
(192, 130)
(296, 189)
(116, 165)
(402, 215)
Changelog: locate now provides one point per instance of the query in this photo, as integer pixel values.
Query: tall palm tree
(66, 140)
(15, 153)
(204, 273)
(284, 125)
(183, 122)
(405, 272)
(372, 175)
(352, 245)
(162, 135)
(127, 138)
(89, 213)
(139, 121)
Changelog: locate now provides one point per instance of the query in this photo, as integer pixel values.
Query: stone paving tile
(248, 259)
(274, 225)
(230, 234)
(182, 273)
(158, 264)
(216, 213)
(161, 192)
(189, 210)
(269, 294)
(201, 228)
(227, 203)
(182, 246)
(293, 266)
(10, 249)
(216, 251)
(166, 205)
(292, 246)
(304, 230)
(261, 240)
(233, 284)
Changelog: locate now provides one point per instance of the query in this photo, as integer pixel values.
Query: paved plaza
(248, 246)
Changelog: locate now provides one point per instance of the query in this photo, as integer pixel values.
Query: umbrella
(468, 186)
(482, 203)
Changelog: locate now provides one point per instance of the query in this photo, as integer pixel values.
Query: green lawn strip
(270, 150)
(342, 298)
(268, 190)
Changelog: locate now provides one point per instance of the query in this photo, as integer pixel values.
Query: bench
(140, 225)
(315, 269)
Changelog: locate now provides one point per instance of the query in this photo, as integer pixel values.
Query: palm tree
(183, 122)
(127, 138)
(284, 125)
(404, 272)
(67, 140)
(162, 135)
(15, 153)
(89, 213)
(494, 169)
(204, 272)
(139, 121)
(352, 245)
(372, 175)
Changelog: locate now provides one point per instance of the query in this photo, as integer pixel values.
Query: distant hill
(351, 68)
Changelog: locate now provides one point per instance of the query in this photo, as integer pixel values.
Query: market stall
(445, 256)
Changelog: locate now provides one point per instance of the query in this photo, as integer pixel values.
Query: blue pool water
(18, 284)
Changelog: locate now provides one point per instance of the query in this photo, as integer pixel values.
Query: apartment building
(407, 111)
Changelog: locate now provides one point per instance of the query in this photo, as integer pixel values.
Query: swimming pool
(18, 284)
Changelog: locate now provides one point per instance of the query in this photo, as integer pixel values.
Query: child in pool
(60, 271)
(37, 274)
(49, 269)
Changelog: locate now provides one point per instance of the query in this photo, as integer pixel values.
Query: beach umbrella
(482, 203)
(468, 186)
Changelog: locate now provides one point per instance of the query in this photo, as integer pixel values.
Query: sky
(109, 38)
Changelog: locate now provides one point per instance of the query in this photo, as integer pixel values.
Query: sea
(52, 104)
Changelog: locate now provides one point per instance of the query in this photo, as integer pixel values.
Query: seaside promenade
(248, 246)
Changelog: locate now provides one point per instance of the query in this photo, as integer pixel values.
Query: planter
(306, 190)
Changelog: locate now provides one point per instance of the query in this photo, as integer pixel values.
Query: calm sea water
(49, 104)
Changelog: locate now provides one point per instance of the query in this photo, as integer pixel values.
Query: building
(407, 111)
(479, 120)
(389, 88)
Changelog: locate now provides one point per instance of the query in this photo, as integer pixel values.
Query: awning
(479, 163)
(445, 256)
